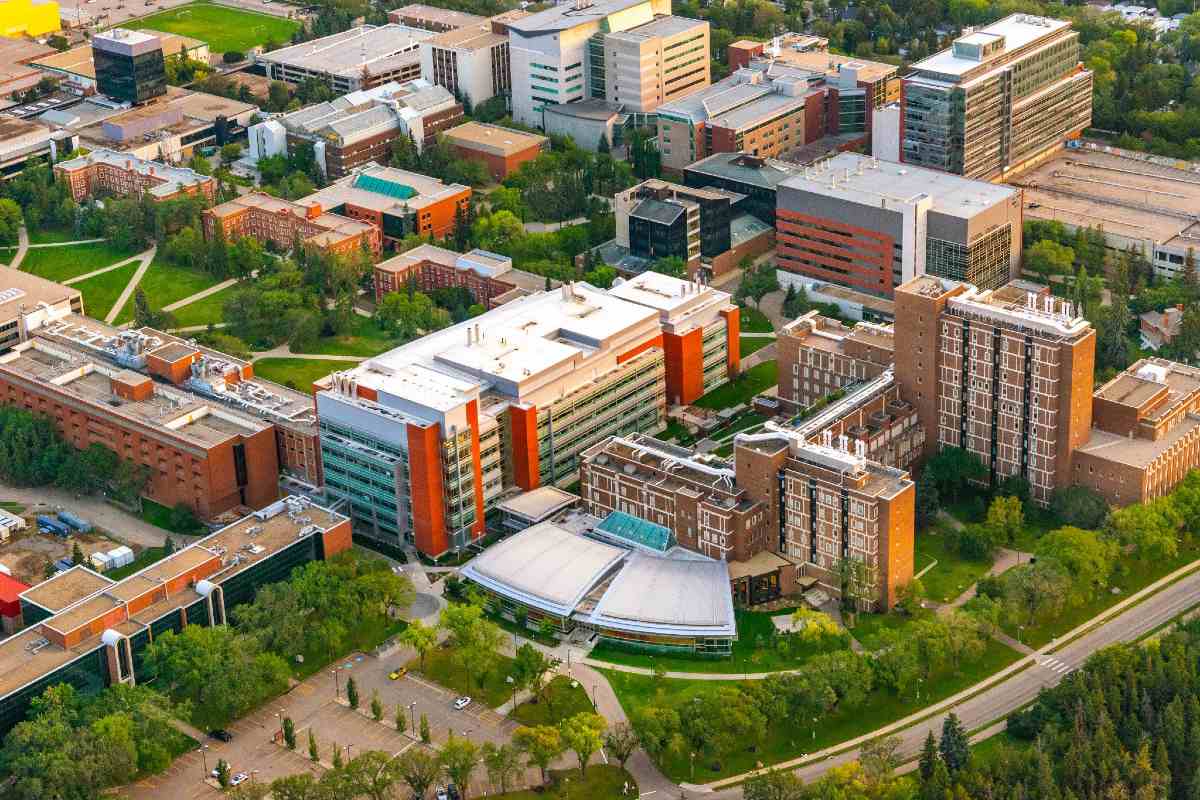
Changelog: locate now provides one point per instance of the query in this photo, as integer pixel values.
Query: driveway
(103, 515)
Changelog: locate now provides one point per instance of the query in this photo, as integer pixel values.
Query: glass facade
(130, 78)
(372, 477)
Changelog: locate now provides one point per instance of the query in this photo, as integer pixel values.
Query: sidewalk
(147, 258)
(122, 524)
(200, 295)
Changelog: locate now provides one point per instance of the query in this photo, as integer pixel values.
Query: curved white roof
(672, 595)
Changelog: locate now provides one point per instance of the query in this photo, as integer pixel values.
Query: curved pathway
(146, 257)
(103, 270)
(22, 247)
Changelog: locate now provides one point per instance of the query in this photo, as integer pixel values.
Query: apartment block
(396, 202)
(421, 440)
(360, 58)
(1004, 373)
(653, 63)
(125, 175)
(489, 277)
(286, 224)
(472, 61)
(873, 225)
(818, 356)
(359, 128)
(501, 150)
(999, 100)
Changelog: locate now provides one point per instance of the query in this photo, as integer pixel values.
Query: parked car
(221, 734)
(240, 778)
(397, 673)
(441, 794)
(462, 703)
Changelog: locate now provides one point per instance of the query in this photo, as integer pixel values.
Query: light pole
(254, 776)
(510, 680)
(594, 707)
(918, 690)
(1019, 629)
(412, 710)
(337, 690)
(815, 728)
(348, 751)
(693, 758)
(204, 756)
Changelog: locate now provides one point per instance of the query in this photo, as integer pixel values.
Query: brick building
(489, 277)
(123, 174)
(286, 223)
(818, 356)
(395, 202)
(501, 150)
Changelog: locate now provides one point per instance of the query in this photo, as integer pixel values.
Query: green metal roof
(371, 183)
(636, 530)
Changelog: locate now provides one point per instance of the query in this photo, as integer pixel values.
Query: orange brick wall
(657, 341)
(525, 447)
(733, 340)
(425, 486)
(685, 366)
(337, 539)
(477, 467)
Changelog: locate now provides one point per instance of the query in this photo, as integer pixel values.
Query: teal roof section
(372, 183)
(628, 529)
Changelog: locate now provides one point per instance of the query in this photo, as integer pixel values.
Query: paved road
(124, 525)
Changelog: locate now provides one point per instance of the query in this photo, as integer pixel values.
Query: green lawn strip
(297, 373)
(751, 343)
(868, 627)
(742, 388)
(676, 432)
(600, 781)
(953, 574)
(490, 689)
(159, 516)
(994, 746)
(368, 635)
(741, 422)
(166, 283)
(45, 235)
(508, 625)
(223, 28)
(752, 651)
(12, 506)
(364, 339)
(560, 700)
(143, 559)
(754, 321)
(1137, 576)
(69, 261)
(100, 292)
(788, 738)
(205, 311)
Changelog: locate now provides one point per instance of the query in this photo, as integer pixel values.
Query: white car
(461, 703)
(441, 793)
(240, 778)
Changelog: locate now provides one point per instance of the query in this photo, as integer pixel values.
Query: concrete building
(360, 127)
(587, 122)
(873, 225)
(432, 18)
(1004, 373)
(360, 58)
(851, 305)
(999, 100)
(17, 74)
(121, 174)
(502, 150)
(489, 277)
(22, 140)
(88, 631)
(421, 440)
(653, 63)
(818, 356)
(77, 66)
(27, 300)
(472, 61)
(286, 223)
(754, 177)
(396, 202)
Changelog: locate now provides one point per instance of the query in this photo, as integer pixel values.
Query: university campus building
(819, 356)
(359, 58)
(489, 277)
(286, 223)
(472, 61)
(123, 174)
(89, 631)
(501, 150)
(423, 439)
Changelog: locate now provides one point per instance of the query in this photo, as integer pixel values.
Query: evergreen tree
(337, 756)
(929, 757)
(76, 554)
(937, 786)
(955, 747)
(313, 753)
(928, 500)
(352, 692)
(289, 733)
(425, 729)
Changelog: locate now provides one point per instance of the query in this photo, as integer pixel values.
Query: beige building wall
(643, 72)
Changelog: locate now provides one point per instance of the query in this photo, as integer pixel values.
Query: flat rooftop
(349, 53)
(1136, 451)
(879, 305)
(733, 103)
(830, 63)
(471, 38)
(25, 290)
(669, 466)
(385, 189)
(661, 26)
(539, 503)
(1124, 196)
(66, 588)
(493, 139)
(79, 60)
(567, 15)
(1149, 378)
(1013, 305)
(668, 595)
(766, 173)
(1018, 30)
(435, 15)
(334, 223)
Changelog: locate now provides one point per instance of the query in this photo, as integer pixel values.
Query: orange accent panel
(367, 393)
(477, 467)
(685, 366)
(525, 446)
(733, 340)
(641, 348)
(425, 481)
(337, 539)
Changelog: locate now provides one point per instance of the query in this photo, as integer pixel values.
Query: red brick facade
(834, 251)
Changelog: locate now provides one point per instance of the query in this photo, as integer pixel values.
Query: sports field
(222, 27)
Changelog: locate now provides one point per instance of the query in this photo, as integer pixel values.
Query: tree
(814, 626)
(954, 468)
(1151, 529)
(289, 733)
(1084, 556)
(459, 758)
(11, 220)
(232, 151)
(502, 763)
(774, 784)
(954, 747)
(1005, 519)
(419, 768)
(76, 554)
(223, 773)
(303, 786)
(419, 637)
(546, 628)
(336, 761)
(668, 265)
(400, 721)
(542, 745)
(425, 737)
(757, 281)
(929, 757)
(352, 692)
(582, 733)
(376, 707)
(928, 503)
(1034, 591)
(1047, 258)
(313, 753)
(530, 668)
(475, 639)
(1079, 506)
(621, 740)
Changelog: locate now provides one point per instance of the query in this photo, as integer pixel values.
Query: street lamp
(512, 681)
(348, 751)
(412, 710)
(337, 689)
(254, 776)
(1019, 629)
(693, 756)
(918, 690)
(204, 756)
(594, 706)
(815, 728)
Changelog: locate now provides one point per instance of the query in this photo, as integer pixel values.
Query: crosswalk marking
(1054, 665)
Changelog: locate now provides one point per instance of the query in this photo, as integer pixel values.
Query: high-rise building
(819, 356)
(1001, 98)
(129, 65)
(873, 225)
(472, 61)
(653, 63)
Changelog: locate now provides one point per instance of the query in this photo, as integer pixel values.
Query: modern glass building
(129, 65)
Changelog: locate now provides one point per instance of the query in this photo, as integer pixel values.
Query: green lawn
(868, 627)
(101, 291)
(160, 516)
(297, 373)
(490, 689)
(741, 422)
(953, 574)
(790, 738)
(223, 28)
(600, 781)
(167, 283)
(46, 235)
(749, 344)
(205, 311)
(560, 700)
(742, 388)
(144, 559)
(754, 321)
(63, 263)
(364, 339)
(676, 432)
(366, 636)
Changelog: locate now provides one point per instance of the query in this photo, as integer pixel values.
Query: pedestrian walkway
(103, 270)
(200, 295)
(22, 247)
(146, 257)
(67, 244)
(282, 351)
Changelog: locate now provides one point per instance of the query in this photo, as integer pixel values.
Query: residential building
(1004, 373)
(360, 127)
(130, 67)
(421, 440)
(27, 18)
(286, 223)
(360, 58)
(88, 631)
(472, 61)
(653, 63)
(396, 202)
(432, 18)
(1001, 98)
(1159, 328)
(77, 66)
(210, 458)
(489, 277)
(122, 174)
(873, 225)
(26, 300)
(502, 150)
(558, 54)
(754, 177)
(22, 140)
(819, 356)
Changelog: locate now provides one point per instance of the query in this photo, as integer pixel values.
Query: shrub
(233, 56)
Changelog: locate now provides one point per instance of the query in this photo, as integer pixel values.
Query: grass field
(754, 321)
(600, 781)
(100, 292)
(489, 689)
(742, 388)
(45, 235)
(159, 516)
(789, 738)
(560, 700)
(749, 344)
(205, 311)
(62, 263)
(223, 28)
(364, 339)
(297, 373)
(952, 575)
(167, 283)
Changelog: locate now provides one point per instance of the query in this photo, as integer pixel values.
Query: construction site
(1147, 203)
